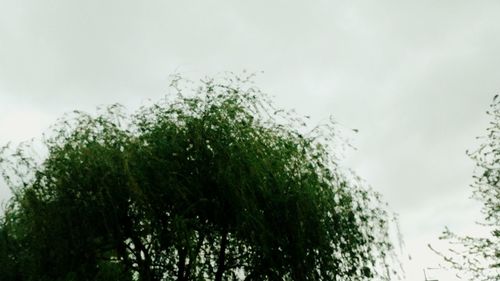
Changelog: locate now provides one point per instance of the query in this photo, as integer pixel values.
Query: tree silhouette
(215, 184)
(478, 258)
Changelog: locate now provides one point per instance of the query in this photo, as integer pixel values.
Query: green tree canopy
(478, 258)
(215, 184)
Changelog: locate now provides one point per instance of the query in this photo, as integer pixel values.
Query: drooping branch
(193, 256)
(222, 256)
(181, 263)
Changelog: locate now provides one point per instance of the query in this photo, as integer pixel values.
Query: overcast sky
(414, 77)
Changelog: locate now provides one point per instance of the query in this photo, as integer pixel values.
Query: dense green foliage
(213, 185)
(478, 258)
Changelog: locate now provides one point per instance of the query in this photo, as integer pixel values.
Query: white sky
(415, 77)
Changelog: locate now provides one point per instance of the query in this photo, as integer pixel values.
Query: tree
(478, 258)
(212, 185)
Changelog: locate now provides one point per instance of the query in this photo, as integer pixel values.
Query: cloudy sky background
(414, 77)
